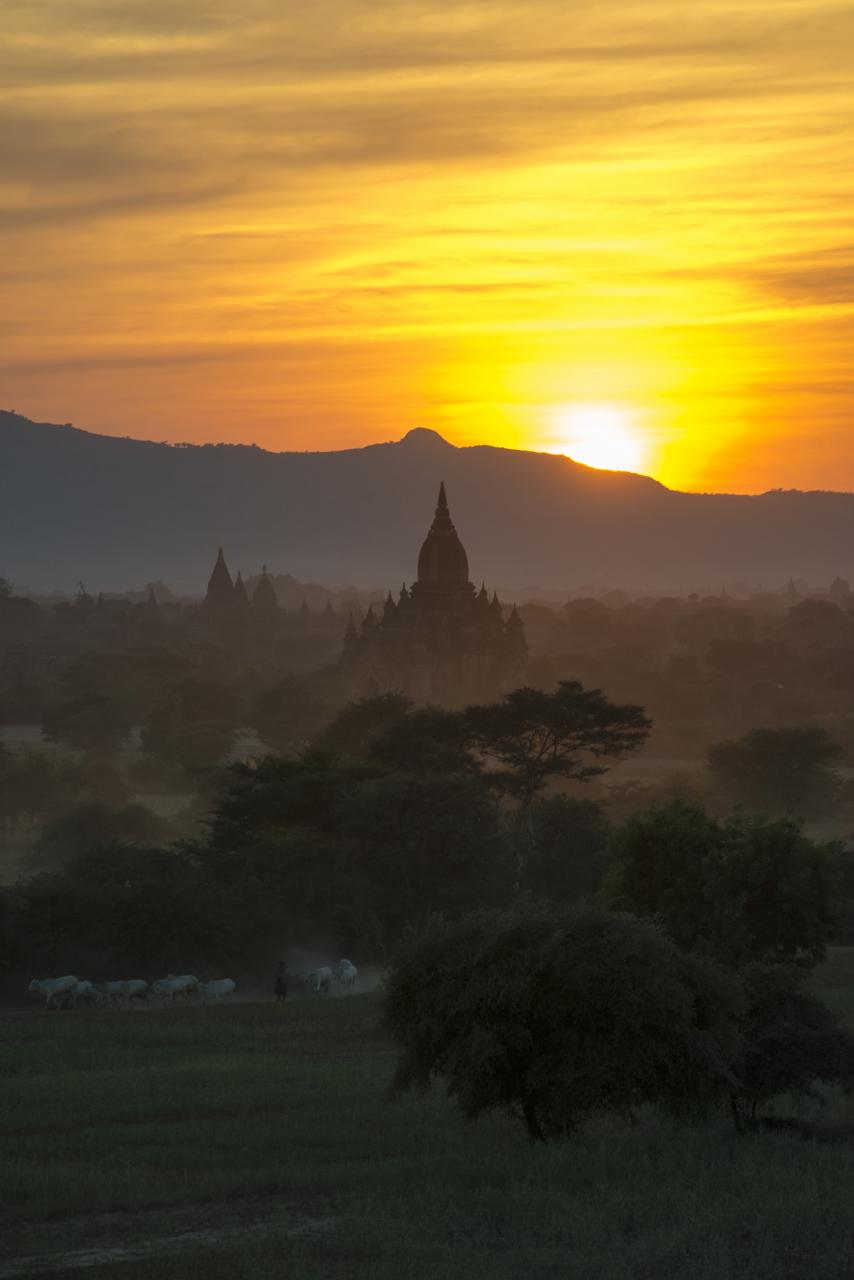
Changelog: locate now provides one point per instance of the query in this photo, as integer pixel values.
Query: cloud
(585, 195)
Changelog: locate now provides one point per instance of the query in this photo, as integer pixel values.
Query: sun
(600, 435)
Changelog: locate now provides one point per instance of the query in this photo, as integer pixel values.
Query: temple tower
(220, 593)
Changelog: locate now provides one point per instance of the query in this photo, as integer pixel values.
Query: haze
(313, 226)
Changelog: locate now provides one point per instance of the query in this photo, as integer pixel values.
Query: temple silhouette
(442, 640)
(226, 597)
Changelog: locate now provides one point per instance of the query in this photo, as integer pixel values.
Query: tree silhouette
(535, 736)
(784, 770)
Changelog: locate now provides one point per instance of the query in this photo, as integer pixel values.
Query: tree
(817, 624)
(346, 852)
(277, 794)
(427, 740)
(425, 843)
(782, 770)
(275, 840)
(792, 1041)
(89, 722)
(535, 736)
(290, 714)
(192, 727)
(570, 840)
(90, 824)
(356, 725)
(747, 889)
(50, 917)
(35, 784)
(558, 1015)
(143, 908)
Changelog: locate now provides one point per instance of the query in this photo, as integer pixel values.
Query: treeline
(704, 667)
(710, 667)
(559, 1015)
(398, 814)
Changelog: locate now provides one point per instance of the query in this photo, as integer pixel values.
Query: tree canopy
(535, 736)
(784, 770)
(557, 1015)
(745, 889)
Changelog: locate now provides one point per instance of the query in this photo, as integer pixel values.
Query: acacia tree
(535, 736)
(558, 1015)
(785, 770)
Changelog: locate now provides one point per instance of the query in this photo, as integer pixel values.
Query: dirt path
(44, 1264)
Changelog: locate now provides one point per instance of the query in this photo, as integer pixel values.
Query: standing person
(280, 985)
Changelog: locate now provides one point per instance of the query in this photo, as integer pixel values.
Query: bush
(785, 770)
(556, 1015)
(746, 890)
(791, 1042)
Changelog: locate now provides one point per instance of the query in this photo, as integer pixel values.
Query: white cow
(136, 989)
(55, 990)
(217, 988)
(189, 985)
(83, 992)
(108, 992)
(166, 989)
(171, 988)
(318, 981)
(346, 973)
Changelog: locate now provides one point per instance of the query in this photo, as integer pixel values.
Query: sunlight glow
(601, 435)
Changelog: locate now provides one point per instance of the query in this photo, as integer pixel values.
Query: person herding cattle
(280, 981)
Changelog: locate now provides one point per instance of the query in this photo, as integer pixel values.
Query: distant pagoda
(442, 640)
(220, 593)
(264, 596)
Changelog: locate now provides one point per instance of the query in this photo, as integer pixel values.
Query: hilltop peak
(426, 438)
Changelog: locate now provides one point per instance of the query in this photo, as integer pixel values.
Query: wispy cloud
(525, 203)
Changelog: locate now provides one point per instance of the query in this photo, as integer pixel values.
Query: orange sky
(316, 224)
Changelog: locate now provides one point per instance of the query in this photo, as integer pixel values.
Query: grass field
(256, 1141)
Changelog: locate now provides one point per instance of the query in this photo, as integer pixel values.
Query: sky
(615, 228)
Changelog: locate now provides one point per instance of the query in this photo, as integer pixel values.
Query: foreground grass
(269, 1127)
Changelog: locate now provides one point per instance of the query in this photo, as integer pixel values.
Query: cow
(165, 989)
(318, 981)
(136, 989)
(218, 988)
(55, 990)
(346, 973)
(170, 988)
(83, 993)
(109, 992)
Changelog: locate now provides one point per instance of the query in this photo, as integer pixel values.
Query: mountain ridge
(77, 504)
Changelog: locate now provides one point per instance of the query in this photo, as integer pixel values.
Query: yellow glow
(313, 226)
(601, 435)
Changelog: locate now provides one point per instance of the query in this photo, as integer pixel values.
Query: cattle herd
(74, 993)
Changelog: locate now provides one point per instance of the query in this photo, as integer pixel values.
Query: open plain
(255, 1140)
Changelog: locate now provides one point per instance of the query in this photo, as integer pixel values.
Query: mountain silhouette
(118, 511)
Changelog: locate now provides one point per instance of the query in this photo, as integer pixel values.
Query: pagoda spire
(442, 561)
(264, 596)
(241, 599)
(220, 592)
